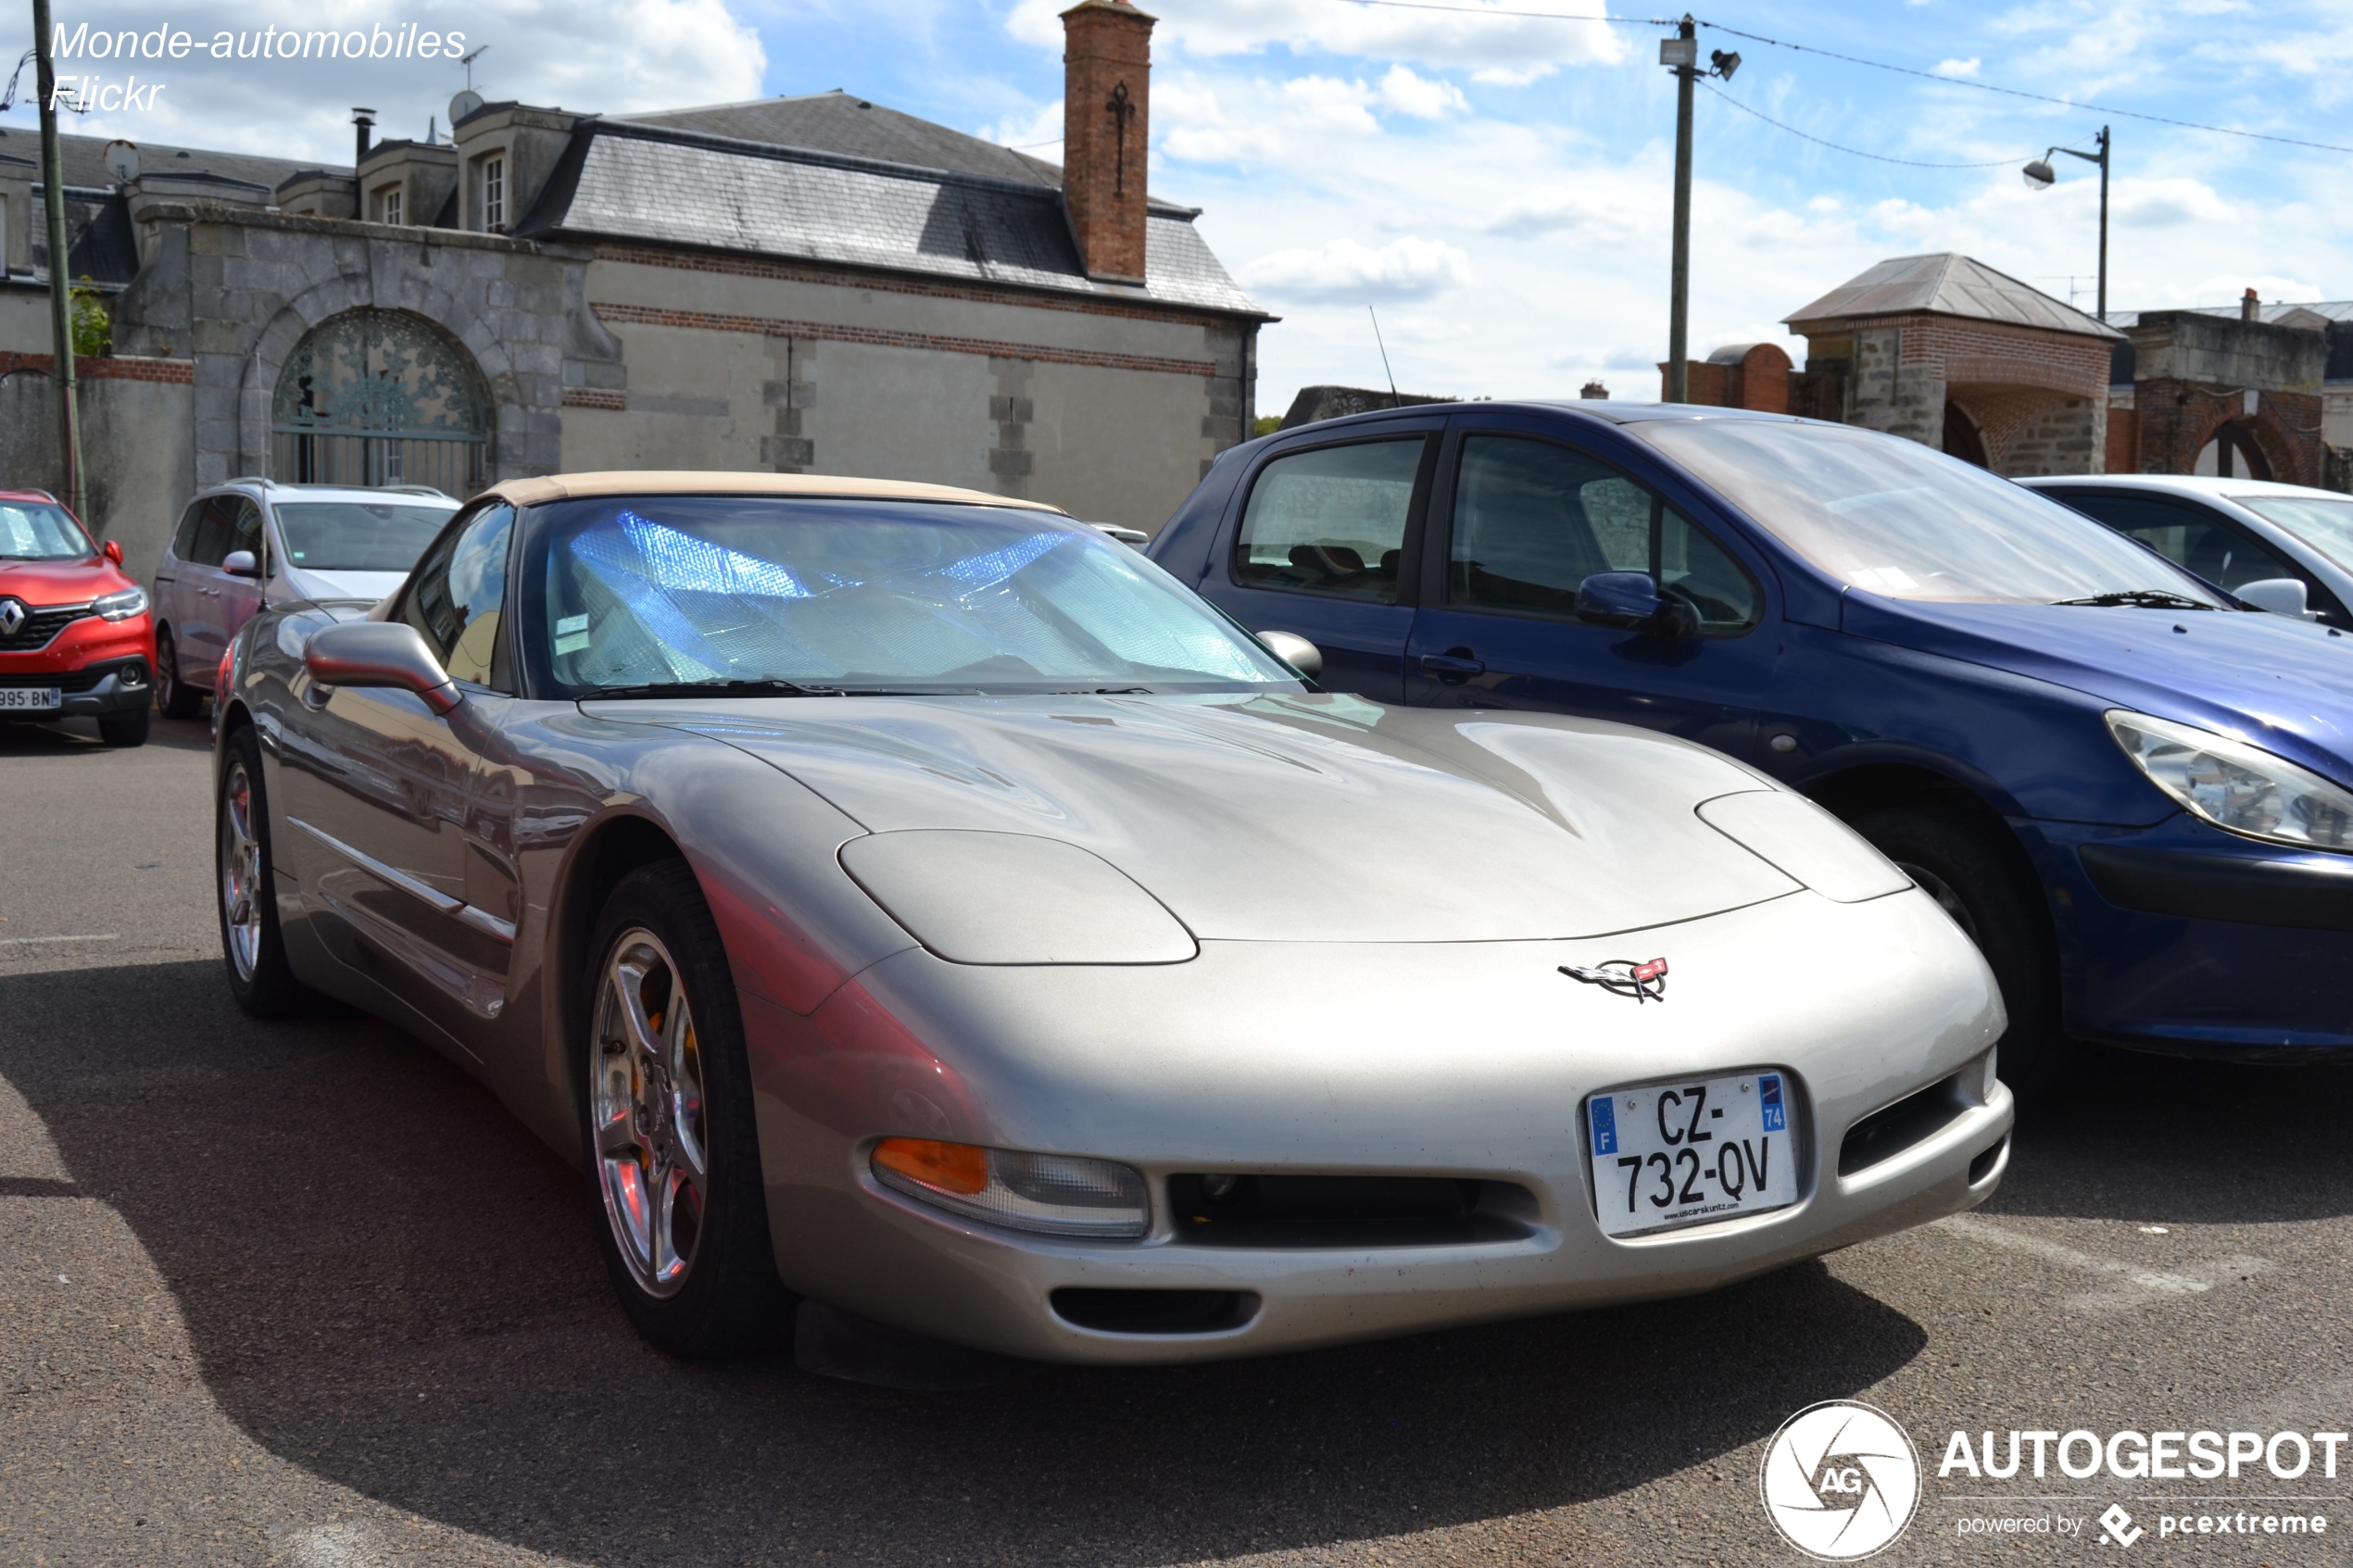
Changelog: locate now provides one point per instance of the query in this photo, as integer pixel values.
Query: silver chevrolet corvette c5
(915, 902)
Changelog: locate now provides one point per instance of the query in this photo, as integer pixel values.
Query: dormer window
(493, 194)
(388, 204)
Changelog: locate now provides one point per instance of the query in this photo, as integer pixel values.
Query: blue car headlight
(2236, 786)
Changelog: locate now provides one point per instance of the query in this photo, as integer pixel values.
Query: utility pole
(1681, 53)
(53, 197)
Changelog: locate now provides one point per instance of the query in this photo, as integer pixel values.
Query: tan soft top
(712, 482)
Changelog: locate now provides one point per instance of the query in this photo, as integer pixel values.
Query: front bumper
(2185, 939)
(115, 685)
(1467, 1061)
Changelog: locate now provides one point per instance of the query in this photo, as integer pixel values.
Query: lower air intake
(1154, 1311)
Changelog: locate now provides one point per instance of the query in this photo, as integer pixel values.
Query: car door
(201, 633)
(1525, 514)
(240, 596)
(2206, 541)
(377, 788)
(175, 564)
(1323, 543)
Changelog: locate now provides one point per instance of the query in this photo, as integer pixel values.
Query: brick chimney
(1107, 62)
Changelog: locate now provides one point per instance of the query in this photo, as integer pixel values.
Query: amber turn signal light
(944, 1167)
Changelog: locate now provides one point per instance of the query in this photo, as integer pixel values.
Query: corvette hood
(1294, 817)
(2285, 685)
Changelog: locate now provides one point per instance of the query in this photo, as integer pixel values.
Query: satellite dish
(122, 160)
(464, 103)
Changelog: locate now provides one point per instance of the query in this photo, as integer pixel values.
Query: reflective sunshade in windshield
(357, 535)
(661, 590)
(2327, 526)
(30, 531)
(1891, 516)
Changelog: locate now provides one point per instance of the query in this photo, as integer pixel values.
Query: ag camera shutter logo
(1840, 1481)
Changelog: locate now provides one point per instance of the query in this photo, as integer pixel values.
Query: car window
(2325, 525)
(1533, 519)
(214, 514)
(357, 535)
(1330, 520)
(245, 527)
(457, 596)
(183, 543)
(1892, 518)
(2188, 535)
(32, 530)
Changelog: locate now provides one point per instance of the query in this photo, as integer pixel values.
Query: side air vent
(1154, 1311)
(1888, 1131)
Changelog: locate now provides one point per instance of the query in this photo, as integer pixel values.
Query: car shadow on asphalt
(2128, 1135)
(389, 1282)
(70, 737)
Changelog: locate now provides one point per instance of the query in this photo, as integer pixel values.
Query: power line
(2015, 92)
(1504, 11)
(1856, 152)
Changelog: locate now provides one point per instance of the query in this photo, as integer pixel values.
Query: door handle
(1459, 665)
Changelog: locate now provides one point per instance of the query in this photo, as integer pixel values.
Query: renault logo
(11, 617)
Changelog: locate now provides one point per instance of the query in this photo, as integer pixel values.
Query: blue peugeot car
(2130, 789)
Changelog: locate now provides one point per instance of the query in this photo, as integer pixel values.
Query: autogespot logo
(1840, 1481)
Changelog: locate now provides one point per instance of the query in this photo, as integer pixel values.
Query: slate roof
(2335, 309)
(630, 180)
(1947, 284)
(84, 159)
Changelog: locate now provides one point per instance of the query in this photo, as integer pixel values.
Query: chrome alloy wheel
(646, 1107)
(241, 889)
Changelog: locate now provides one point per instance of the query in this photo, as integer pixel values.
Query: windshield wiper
(718, 688)
(2140, 599)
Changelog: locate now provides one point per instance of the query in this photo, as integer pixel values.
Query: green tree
(1266, 424)
(93, 323)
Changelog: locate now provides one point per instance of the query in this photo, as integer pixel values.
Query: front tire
(124, 729)
(674, 1151)
(1972, 866)
(173, 695)
(245, 879)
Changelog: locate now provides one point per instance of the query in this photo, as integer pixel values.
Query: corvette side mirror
(1295, 651)
(1632, 601)
(379, 653)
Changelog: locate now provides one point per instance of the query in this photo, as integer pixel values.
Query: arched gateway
(379, 397)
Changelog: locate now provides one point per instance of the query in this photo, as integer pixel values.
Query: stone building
(813, 283)
(1948, 352)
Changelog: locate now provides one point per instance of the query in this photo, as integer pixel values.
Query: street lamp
(2040, 176)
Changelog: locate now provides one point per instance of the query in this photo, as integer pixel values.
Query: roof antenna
(1393, 400)
(468, 61)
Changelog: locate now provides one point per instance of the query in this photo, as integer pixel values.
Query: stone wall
(136, 446)
(2195, 373)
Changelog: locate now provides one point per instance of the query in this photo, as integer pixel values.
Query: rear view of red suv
(75, 637)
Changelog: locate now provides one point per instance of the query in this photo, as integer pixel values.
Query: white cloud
(1582, 213)
(1402, 91)
(2165, 204)
(1959, 68)
(1037, 130)
(1407, 268)
(612, 57)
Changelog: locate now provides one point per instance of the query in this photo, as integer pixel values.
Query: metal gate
(379, 397)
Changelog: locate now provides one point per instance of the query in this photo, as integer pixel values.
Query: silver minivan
(254, 541)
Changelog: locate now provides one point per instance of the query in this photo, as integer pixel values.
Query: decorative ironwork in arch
(379, 397)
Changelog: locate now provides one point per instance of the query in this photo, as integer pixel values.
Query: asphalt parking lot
(303, 1294)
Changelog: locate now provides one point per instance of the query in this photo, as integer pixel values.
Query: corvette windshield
(1891, 516)
(659, 592)
(30, 531)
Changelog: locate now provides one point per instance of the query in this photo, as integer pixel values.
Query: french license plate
(1685, 1153)
(26, 698)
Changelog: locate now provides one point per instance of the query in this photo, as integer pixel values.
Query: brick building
(1946, 351)
(815, 283)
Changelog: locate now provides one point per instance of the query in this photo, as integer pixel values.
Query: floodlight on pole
(2040, 176)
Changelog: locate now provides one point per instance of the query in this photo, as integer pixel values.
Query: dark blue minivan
(2130, 789)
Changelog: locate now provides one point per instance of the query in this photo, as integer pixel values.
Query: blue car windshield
(1892, 517)
(663, 591)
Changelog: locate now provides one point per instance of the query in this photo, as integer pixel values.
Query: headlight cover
(1056, 1194)
(2236, 786)
(122, 606)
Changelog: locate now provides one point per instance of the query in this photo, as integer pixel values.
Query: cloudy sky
(1497, 186)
